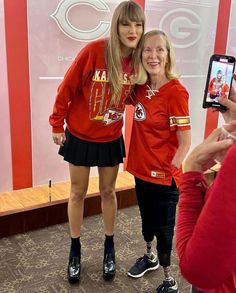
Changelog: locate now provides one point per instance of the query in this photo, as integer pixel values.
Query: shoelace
(142, 258)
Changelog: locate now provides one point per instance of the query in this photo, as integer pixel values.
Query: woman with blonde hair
(91, 102)
(160, 140)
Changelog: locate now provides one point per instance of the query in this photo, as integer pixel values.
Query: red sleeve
(206, 233)
(137, 91)
(179, 110)
(73, 82)
(130, 100)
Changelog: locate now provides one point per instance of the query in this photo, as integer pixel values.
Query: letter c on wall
(61, 17)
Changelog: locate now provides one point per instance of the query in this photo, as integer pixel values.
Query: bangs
(131, 13)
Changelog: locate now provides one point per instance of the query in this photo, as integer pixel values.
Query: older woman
(159, 142)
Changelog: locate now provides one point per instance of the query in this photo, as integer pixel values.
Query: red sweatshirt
(206, 229)
(84, 100)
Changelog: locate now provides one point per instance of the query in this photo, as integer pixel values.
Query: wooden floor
(29, 209)
(30, 197)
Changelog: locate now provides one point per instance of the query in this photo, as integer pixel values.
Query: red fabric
(84, 100)
(215, 86)
(153, 140)
(206, 229)
(224, 91)
(218, 87)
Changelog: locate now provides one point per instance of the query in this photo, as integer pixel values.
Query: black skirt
(89, 154)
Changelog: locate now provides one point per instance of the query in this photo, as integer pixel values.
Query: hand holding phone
(219, 80)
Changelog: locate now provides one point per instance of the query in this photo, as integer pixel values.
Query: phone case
(219, 80)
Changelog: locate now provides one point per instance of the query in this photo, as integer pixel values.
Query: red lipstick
(132, 38)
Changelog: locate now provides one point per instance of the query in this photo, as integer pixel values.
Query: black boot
(74, 266)
(109, 264)
(74, 269)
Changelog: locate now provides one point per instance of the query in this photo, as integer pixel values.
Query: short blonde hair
(142, 76)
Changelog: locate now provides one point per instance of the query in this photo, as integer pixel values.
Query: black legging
(157, 205)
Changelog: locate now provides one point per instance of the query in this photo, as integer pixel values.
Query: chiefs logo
(139, 112)
(112, 116)
(61, 17)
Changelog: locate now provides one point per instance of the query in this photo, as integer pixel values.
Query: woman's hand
(232, 95)
(176, 163)
(202, 157)
(230, 114)
(59, 138)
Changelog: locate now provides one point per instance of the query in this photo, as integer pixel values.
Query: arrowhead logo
(112, 116)
(139, 112)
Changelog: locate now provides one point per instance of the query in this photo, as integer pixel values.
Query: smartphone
(219, 80)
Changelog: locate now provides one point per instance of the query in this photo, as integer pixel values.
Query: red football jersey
(157, 117)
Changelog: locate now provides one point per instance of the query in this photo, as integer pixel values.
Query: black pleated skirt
(89, 154)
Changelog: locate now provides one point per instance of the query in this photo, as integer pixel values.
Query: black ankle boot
(109, 265)
(74, 269)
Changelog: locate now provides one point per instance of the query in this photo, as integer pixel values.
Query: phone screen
(219, 80)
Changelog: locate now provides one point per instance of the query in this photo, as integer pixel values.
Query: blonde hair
(126, 11)
(142, 76)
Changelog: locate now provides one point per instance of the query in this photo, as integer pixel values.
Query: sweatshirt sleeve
(72, 83)
(206, 233)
